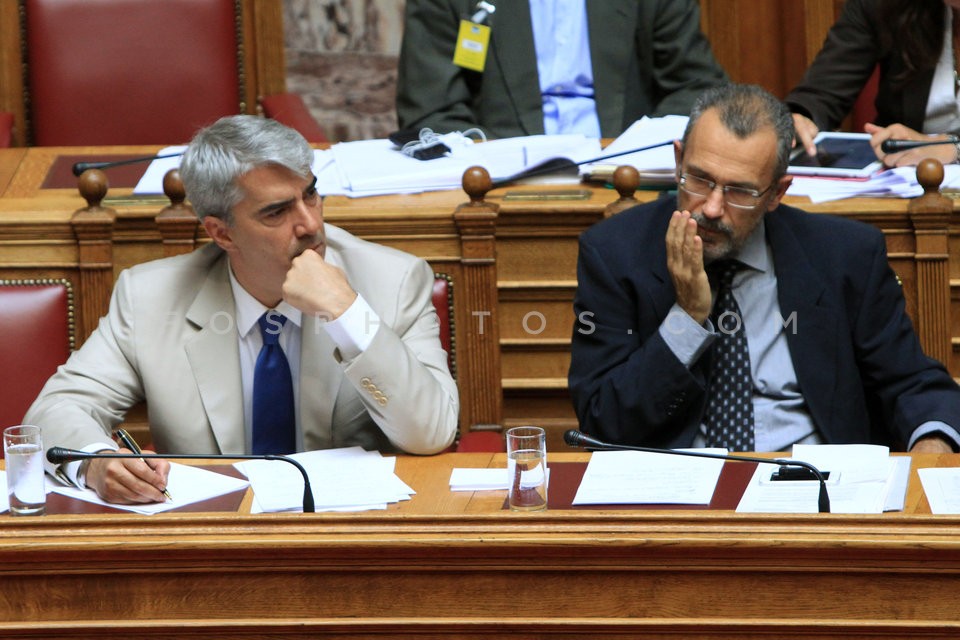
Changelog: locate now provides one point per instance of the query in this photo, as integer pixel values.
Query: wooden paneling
(767, 42)
(456, 565)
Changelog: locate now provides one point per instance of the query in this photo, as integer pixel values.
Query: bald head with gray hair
(745, 109)
(232, 146)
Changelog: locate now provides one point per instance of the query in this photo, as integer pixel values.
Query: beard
(722, 242)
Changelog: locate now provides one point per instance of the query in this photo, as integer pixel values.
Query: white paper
(478, 479)
(151, 182)
(643, 133)
(378, 166)
(637, 477)
(186, 484)
(346, 478)
(942, 487)
(498, 479)
(900, 182)
(863, 479)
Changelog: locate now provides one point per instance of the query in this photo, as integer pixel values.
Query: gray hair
(744, 109)
(221, 153)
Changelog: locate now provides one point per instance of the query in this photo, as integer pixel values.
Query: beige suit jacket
(169, 338)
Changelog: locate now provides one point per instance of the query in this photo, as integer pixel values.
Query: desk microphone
(576, 438)
(893, 145)
(80, 167)
(558, 165)
(59, 455)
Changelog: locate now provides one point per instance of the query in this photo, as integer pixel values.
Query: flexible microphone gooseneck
(893, 145)
(59, 455)
(576, 438)
(556, 165)
(80, 167)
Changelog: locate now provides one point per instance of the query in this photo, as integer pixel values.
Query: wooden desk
(456, 565)
(532, 241)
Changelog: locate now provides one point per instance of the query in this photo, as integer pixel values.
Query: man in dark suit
(644, 57)
(833, 357)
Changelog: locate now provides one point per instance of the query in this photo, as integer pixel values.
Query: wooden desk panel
(456, 565)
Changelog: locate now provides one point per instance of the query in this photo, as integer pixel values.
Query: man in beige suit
(182, 333)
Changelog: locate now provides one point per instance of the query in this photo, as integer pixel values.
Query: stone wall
(342, 58)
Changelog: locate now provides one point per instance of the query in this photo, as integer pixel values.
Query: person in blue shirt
(553, 66)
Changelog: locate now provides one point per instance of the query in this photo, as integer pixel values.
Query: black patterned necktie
(729, 413)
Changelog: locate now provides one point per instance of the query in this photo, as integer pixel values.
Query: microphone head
(59, 455)
(573, 437)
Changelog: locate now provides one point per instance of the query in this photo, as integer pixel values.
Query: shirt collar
(249, 309)
(754, 253)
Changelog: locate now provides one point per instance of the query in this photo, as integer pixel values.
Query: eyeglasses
(739, 197)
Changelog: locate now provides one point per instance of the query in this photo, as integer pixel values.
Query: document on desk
(151, 182)
(345, 479)
(863, 479)
(900, 182)
(942, 488)
(187, 485)
(377, 167)
(639, 477)
(658, 163)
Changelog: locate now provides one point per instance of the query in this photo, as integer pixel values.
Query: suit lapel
(215, 359)
(810, 323)
(515, 58)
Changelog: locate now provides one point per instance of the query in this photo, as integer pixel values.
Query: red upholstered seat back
(129, 71)
(865, 108)
(36, 336)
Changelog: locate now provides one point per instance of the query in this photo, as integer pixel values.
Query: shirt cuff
(354, 330)
(935, 426)
(684, 337)
(67, 472)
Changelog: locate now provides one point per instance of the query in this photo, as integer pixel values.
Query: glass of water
(527, 468)
(26, 485)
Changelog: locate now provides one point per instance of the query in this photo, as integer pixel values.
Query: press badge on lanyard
(473, 40)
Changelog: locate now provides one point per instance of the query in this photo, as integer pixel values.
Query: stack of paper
(377, 167)
(348, 479)
(656, 165)
(463, 479)
(863, 479)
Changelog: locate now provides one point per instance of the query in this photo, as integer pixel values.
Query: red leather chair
(36, 336)
(470, 441)
(112, 72)
(865, 108)
(6, 129)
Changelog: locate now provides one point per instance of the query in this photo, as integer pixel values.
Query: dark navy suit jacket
(857, 358)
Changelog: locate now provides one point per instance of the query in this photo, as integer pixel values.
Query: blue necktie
(274, 422)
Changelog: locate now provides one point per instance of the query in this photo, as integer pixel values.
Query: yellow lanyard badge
(473, 40)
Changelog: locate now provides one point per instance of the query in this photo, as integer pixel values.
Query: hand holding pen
(127, 440)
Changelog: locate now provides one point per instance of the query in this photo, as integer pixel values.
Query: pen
(131, 444)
